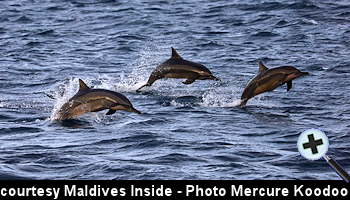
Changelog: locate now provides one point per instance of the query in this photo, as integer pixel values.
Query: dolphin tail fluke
(243, 102)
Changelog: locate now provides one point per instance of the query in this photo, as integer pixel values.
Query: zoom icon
(313, 144)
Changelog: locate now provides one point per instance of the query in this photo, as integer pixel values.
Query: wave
(6, 176)
(269, 6)
(264, 34)
(24, 19)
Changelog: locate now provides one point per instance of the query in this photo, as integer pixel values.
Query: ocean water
(187, 131)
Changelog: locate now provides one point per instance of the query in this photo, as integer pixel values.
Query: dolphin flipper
(189, 81)
(289, 85)
(110, 112)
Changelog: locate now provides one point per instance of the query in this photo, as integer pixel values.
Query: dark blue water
(188, 131)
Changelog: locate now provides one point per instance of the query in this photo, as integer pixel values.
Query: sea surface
(192, 131)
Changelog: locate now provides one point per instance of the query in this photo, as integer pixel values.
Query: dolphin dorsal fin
(82, 85)
(174, 54)
(262, 67)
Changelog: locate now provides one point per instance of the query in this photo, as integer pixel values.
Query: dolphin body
(94, 100)
(269, 79)
(177, 67)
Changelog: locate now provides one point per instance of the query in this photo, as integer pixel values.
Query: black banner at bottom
(177, 189)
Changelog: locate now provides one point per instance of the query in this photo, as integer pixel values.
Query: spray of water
(2, 104)
(221, 96)
(151, 56)
(69, 89)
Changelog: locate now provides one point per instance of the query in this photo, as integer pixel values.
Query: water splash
(63, 93)
(152, 55)
(225, 96)
(2, 104)
(228, 94)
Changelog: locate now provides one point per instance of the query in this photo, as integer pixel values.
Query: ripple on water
(18, 130)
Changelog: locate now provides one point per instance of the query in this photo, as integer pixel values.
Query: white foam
(2, 104)
(98, 118)
(310, 21)
(221, 97)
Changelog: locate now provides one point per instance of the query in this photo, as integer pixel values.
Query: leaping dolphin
(94, 100)
(269, 79)
(177, 67)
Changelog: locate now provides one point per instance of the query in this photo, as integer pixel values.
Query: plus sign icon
(313, 144)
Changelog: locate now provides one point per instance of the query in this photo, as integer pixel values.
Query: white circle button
(313, 144)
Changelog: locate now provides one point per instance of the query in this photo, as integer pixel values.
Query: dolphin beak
(296, 75)
(212, 77)
(131, 109)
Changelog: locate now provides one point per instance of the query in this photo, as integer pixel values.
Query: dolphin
(177, 67)
(94, 100)
(269, 79)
